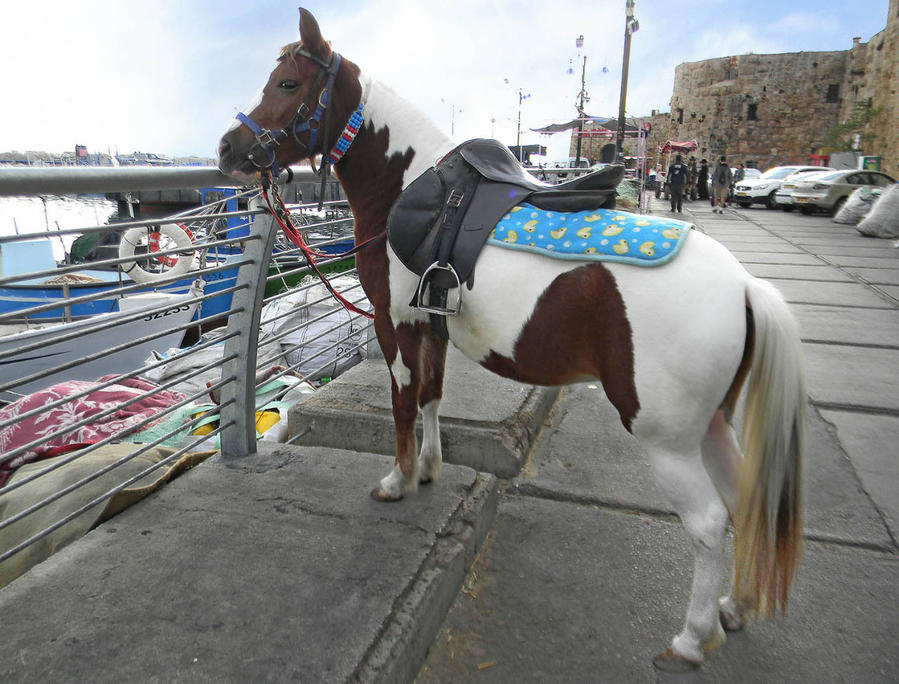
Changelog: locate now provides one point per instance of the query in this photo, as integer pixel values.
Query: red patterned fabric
(120, 421)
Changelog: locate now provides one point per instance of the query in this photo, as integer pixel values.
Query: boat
(143, 323)
(92, 279)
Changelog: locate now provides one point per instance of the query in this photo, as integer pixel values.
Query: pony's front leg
(401, 345)
(433, 362)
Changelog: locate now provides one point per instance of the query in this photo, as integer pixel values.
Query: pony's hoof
(733, 619)
(732, 622)
(425, 480)
(378, 495)
(674, 663)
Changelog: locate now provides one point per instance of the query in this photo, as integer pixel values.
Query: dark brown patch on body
(578, 330)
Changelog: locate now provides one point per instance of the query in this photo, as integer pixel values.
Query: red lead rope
(282, 218)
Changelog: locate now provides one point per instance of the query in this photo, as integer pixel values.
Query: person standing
(739, 175)
(702, 182)
(677, 181)
(722, 179)
(692, 174)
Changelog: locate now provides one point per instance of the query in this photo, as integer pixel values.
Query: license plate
(741, 194)
(801, 199)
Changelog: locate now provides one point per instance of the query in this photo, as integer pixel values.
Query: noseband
(262, 153)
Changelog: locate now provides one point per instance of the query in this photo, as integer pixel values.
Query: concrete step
(272, 567)
(486, 422)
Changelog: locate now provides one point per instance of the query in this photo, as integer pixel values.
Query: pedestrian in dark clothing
(722, 180)
(692, 173)
(702, 182)
(677, 181)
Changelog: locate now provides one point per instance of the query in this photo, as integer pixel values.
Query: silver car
(782, 196)
(829, 191)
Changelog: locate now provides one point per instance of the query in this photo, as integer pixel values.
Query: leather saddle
(441, 221)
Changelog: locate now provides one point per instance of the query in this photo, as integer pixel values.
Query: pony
(672, 345)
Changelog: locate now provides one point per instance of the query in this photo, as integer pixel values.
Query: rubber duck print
(647, 248)
(620, 247)
(584, 233)
(671, 233)
(529, 226)
(612, 229)
(592, 217)
(558, 233)
(511, 236)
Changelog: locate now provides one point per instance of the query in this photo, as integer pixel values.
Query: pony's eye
(288, 85)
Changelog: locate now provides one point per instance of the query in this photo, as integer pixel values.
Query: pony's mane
(289, 51)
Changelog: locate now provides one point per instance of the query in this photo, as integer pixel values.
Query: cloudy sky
(167, 76)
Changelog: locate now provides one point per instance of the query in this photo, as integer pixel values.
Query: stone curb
(399, 651)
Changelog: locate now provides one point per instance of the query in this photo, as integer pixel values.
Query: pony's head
(308, 99)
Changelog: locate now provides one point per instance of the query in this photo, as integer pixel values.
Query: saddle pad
(603, 234)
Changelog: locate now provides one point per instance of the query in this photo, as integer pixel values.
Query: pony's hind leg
(723, 459)
(683, 477)
(433, 362)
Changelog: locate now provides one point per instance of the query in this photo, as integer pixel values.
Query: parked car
(829, 191)
(761, 190)
(749, 173)
(782, 197)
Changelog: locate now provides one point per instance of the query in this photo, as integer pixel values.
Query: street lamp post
(631, 25)
(453, 116)
(521, 97)
(582, 97)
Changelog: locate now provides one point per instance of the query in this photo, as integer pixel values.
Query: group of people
(687, 181)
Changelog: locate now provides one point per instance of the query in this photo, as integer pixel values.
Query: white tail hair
(768, 520)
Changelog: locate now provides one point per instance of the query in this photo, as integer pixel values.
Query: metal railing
(110, 383)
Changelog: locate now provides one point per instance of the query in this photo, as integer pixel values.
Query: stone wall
(766, 110)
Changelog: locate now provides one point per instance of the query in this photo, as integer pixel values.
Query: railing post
(239, 396)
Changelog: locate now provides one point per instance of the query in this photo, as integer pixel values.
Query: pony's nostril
(224, 148)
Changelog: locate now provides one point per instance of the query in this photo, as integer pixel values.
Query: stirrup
(436, 270)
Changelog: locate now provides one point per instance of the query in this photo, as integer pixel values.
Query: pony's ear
(310, 34)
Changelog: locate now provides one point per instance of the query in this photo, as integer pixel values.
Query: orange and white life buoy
(154, 244)
(172, 264)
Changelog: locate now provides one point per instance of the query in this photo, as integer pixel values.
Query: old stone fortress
(767, 110)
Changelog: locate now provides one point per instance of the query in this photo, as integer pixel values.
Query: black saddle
(441, 221)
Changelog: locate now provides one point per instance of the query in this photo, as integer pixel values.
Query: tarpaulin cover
(600, 123)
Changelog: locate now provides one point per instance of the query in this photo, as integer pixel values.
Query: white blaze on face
(255, 103)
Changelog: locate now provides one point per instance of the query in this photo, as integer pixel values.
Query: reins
(281, 214)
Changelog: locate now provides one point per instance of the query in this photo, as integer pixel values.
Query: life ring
(153, 244)
(135, 237)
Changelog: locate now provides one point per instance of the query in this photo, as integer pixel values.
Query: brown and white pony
(671, 345)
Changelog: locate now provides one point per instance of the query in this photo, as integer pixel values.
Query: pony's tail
(768, 521)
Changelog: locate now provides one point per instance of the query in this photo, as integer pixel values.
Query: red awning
(675, 146)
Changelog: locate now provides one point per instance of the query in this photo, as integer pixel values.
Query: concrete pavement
(585, 574)
(280, 567)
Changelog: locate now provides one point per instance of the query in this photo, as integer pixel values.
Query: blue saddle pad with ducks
(603, 234)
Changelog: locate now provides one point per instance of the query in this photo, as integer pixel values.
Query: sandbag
(318, 333)
(883, 219)
(858, 205)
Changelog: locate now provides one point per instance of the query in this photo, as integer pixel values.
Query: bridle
(262, 153)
